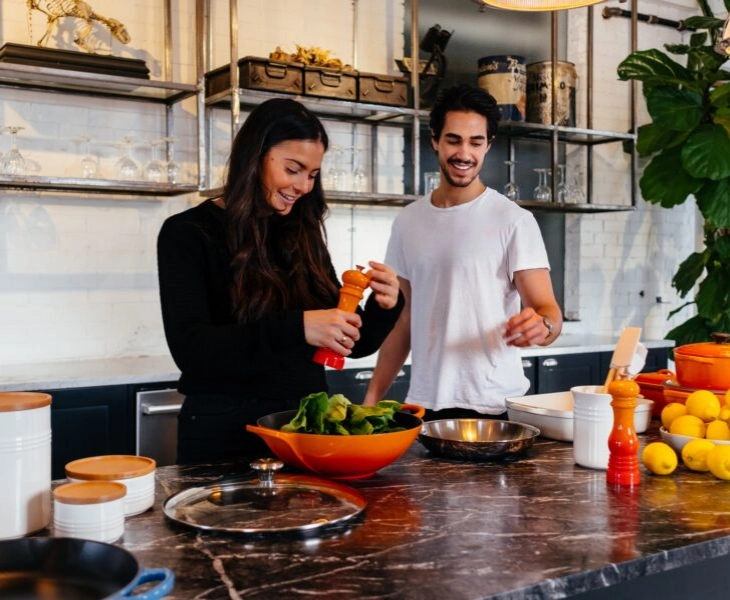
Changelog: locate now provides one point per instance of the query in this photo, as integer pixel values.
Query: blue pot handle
(165, 576)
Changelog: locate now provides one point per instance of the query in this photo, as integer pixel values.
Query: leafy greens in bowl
(322, 414)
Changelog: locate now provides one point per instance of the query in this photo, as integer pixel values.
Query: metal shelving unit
(79, 83)
(413, 118)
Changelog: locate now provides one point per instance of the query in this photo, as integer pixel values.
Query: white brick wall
(77, 272)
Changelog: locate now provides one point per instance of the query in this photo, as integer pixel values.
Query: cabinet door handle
(526, 364)
(550, 362)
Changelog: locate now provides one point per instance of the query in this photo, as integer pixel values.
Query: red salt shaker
(623, 443)
(355, 282)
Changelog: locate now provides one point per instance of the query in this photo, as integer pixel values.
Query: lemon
(670, 412)
(703, 404)
(688, 425)
(718, 460)
(694, 454)
(725, 413)
(659, 458)
(718, 430)
(727, 398)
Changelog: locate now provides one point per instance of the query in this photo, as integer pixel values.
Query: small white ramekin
(137, 473)
(90, 510)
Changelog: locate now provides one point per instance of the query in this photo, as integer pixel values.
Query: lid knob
(720, 338)
(266, 468)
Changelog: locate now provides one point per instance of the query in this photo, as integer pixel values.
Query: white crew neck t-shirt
(460, 262)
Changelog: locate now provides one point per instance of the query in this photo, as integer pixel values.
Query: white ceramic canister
(25, 463)
(592, 425)
(135, 472)
(90, 510)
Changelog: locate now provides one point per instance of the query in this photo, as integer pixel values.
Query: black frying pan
(74, 569)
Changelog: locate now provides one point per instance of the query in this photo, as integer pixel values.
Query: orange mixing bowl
(338, 456)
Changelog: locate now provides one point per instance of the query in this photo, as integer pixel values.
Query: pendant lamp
(538, 5)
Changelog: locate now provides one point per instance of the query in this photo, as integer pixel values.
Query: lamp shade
(539, 5)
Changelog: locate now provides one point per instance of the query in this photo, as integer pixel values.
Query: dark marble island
(534, 527)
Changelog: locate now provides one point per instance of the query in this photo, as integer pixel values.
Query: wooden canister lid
(89, 492)
(14, 401)
(110, 468)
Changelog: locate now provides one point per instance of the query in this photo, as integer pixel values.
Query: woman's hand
(384, 283)
(332, 328)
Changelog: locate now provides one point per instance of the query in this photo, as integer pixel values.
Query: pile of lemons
(703, 417)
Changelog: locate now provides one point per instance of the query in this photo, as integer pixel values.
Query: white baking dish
(552, 414)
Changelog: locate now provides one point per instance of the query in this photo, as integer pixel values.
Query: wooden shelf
(93, 84)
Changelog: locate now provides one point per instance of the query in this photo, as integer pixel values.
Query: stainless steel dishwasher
(157, 411)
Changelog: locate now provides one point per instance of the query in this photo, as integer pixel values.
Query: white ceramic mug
(592, 425)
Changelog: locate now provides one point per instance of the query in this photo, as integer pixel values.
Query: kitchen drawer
(257, 74)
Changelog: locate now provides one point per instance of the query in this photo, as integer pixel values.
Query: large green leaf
(722, 249)
(722, 118)
(706, 153)
(652, 138)
(713, 201)
(695, 329)
(720, 95)
(712, 296)
(673, 108)
(702, 23)
(665, 181)
(689, 272)
(655, 67)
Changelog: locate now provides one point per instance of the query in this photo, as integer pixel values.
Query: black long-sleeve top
(268, 359)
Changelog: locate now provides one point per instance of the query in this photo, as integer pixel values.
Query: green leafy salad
(319, 413)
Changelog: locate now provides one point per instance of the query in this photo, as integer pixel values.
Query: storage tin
(257, 73)
(540, 93)
(505, 77)
(330, 83)
(25, 463)
(89, 510)
(383, 89)
(137, 473)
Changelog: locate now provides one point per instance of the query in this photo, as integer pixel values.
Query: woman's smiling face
(289, 170)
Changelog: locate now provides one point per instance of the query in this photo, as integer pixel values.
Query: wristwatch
(550, 327)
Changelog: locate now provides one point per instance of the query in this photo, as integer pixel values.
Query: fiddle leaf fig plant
(687, 143)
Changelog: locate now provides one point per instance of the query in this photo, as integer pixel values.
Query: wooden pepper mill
(355, 282)
(623, 443)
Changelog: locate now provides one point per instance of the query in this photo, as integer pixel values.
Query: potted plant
(688, 143)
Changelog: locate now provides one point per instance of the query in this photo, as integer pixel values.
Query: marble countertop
(153, 369)
(533, 527)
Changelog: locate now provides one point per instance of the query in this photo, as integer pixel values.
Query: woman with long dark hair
(247, 288)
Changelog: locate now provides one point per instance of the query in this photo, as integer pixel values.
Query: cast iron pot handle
(165, 576)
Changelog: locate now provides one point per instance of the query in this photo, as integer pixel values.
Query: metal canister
(540, 93)
(504, 77)
(25, 463)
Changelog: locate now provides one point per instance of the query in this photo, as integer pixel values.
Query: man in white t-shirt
(467, 259)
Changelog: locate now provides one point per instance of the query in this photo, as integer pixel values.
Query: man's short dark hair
(465, 98)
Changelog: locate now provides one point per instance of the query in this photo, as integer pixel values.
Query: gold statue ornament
(57, 9)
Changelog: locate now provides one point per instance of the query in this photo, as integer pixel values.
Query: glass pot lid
(266, 503)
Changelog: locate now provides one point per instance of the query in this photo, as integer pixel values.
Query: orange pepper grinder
(623, 443)
(355, 282)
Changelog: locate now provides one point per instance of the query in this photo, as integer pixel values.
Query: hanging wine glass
(127, 168)
(173, 169)
(89, 164)
(575, 189)
(511, 189)
(563, 187)
(542, 192)
(360, 177)
(13, 163)
(155, 170)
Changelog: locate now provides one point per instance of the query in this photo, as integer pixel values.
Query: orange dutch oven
(705, 365)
